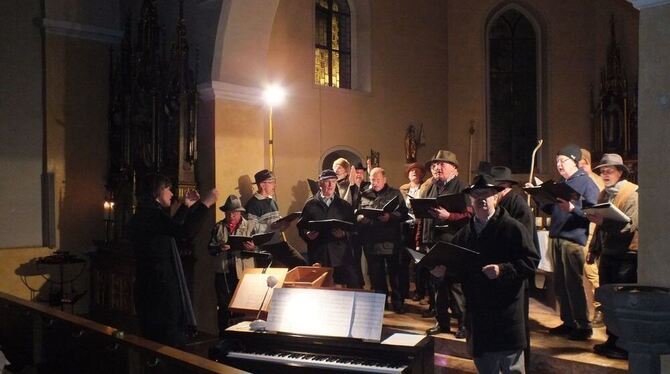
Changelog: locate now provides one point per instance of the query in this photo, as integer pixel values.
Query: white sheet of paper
(407, 340)
(368, 316)
(327, 313)
(250, 292)
(311, 311)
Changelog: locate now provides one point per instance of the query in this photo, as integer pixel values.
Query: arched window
(332, 48)
(513, 89)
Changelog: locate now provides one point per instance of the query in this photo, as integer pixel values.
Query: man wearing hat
(518, 208)
(262, 207)
(568, 234)
(616, 242)
(226, 276)
(359, 178)
(330, 248)
(443, 227)
(494, 284)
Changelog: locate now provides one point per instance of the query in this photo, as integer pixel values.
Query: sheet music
(311, 311)
(327, 312)
(368, 315)
(250, 292)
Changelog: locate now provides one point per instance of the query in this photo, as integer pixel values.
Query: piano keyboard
(320, 361)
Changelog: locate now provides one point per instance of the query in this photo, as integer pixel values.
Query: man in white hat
(616, 241)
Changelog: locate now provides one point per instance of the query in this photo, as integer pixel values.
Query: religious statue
(410, 144)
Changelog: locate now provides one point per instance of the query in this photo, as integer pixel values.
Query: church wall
(408, 82)
(576, 35)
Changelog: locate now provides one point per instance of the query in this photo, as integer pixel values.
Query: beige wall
(576, 35)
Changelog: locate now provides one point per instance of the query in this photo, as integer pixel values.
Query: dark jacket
(157, 295)
(573, 226)
(518, 208)
(434, 230)
(495, 317)
(327, 249)
(382, 237)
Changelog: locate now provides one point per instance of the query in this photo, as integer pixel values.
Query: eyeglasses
(563, 160)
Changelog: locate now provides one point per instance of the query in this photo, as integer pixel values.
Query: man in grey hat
(615, 242)
(443, 227)
(493, 284)
(262, 207)
(568, 234)
(226, 276)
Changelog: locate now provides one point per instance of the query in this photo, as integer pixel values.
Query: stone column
(654, 137)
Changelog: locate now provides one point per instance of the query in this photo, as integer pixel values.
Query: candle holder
(108, 207)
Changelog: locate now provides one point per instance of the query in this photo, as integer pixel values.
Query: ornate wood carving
(615, 112)
(152, 112)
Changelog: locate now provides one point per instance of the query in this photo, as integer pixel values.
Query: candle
(106, 207)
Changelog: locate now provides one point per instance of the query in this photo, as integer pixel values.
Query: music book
(416, 255)
(452, 202)
(329, 224)
(549, 191)
(339, 313)
(252, 288)
(289, 217)
(313, 186)
(454, 257)
(608, 211)
(236, 241)
(389, 207)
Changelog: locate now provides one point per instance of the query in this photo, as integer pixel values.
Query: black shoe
(611, 351)
(437, 329)
(428, 313)
(561, 330)
(399, 309)
(461, 333)
(581, 334)
(598, 319)
(416, 297)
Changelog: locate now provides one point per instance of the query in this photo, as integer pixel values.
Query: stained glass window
(513, 90)
(332, 49)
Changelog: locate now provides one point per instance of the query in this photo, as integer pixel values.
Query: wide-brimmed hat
(443, 156)
(483, 181)
(232, 204)
(502, 174)
(415, 165)
(263, 175)
(327, 174)
(613, 159)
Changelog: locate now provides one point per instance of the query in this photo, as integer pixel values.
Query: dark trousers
(398, 273)
(449, 296)
(283, 254)
(172, 334)
(568, 284)
(224, 285)
(617, 270)
(357, 247)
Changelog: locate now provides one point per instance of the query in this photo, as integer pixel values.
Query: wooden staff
(471, 132)
(532, 165)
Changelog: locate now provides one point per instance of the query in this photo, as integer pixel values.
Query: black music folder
(290, 217)
(421, 207)
(389, 207)
(549, 191)
(235, 241)
(329, 224)
(454, 257)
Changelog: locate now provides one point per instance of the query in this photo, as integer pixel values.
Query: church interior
(98, 93)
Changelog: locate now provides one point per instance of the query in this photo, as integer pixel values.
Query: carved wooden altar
(153, 105)
(615, 111)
